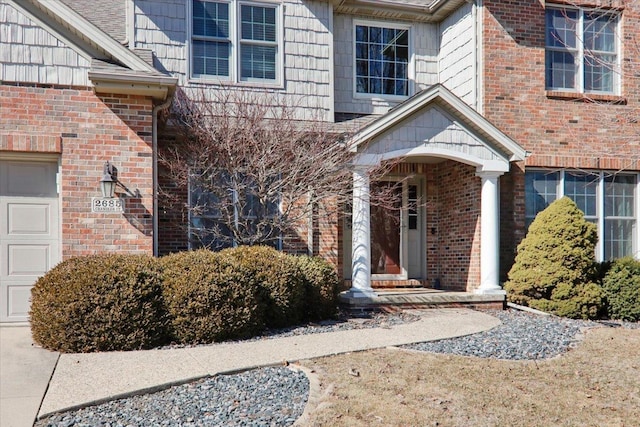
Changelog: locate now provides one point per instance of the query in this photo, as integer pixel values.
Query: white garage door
(29, 232)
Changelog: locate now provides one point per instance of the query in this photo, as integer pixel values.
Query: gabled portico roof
(460, 114)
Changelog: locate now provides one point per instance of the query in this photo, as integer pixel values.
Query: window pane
(582, 188)
(210, 58)
(620, 223)
(540, 191)
(599, 32)
(598, 72)
(210, 19)
(618, 240)
(619, 195)
(210, 233)
(382, 57)
(561, 69)
(561, 28)
(258, 62)
(258, 23)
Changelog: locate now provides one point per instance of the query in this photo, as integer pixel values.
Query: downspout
(154, 148)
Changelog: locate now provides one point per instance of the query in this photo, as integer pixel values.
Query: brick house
(496, 108)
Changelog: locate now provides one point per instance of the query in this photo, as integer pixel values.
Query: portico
(455, 158)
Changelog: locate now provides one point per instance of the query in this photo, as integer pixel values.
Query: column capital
(488, 174)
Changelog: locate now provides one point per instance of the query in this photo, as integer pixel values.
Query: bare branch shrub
(256, 173)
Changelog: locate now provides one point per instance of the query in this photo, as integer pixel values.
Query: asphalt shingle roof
(108, 15)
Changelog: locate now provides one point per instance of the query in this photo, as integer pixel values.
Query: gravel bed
(277, 396)
(261, 397)
(521, 336)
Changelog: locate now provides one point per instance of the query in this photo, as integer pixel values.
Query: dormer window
(235, 41)
(381, 59)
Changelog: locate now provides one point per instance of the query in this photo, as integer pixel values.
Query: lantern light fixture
(109, 181)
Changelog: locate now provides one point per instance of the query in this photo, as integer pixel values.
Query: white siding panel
(425, 55)
(434, 129)
(30, 54)
(457, 54)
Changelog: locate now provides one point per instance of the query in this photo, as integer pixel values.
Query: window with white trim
(236, 41)
(581, 52)
(381, 59)
(608, 200)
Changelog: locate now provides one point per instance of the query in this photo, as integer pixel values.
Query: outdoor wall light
(109, 181)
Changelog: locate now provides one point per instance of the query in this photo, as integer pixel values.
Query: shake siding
(30, 54)
(457, 54)
(163, 26)
(425, 52)
(435, 130)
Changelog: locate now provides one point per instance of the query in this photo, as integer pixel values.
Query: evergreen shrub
(279, 279)
(621, 284)
(321, 287)
(209, 298)
(99, 303)
(555, 266)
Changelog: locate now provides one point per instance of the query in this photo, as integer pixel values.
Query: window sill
(211, 81)
(587, 97)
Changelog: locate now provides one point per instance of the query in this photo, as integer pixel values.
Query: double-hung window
(235, 41)
(581, 50)
(611, 201)
(381, 59)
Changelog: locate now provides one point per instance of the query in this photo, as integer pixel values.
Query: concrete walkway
(25, 371)
(82, 379)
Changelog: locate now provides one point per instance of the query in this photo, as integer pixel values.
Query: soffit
(411, 10)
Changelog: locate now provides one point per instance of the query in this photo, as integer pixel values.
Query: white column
(490, 234)
(361, 237)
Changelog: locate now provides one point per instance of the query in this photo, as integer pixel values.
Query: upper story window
(235, 41)
(381, 59)
(581, 50)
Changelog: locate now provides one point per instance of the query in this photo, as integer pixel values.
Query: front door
(397, 234)
(386, 231)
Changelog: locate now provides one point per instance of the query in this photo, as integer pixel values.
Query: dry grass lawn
(595, 384)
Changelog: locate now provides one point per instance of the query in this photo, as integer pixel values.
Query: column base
(358, 293)
(490, 291)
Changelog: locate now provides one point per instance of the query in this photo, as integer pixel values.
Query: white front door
(29, 232)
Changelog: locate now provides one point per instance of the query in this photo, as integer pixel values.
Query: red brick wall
(90, 129)
(560, 131)
(458, 228)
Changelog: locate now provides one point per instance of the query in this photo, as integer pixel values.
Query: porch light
(108, 181)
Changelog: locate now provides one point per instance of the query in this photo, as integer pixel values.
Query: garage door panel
(22, 179)
(18, 301)
(28, 260)
(29, 218)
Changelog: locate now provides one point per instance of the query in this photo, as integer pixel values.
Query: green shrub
(321, 287)
(555, 267)
(279, 278)
(99, 303)
(208, 297)
(621, 285)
